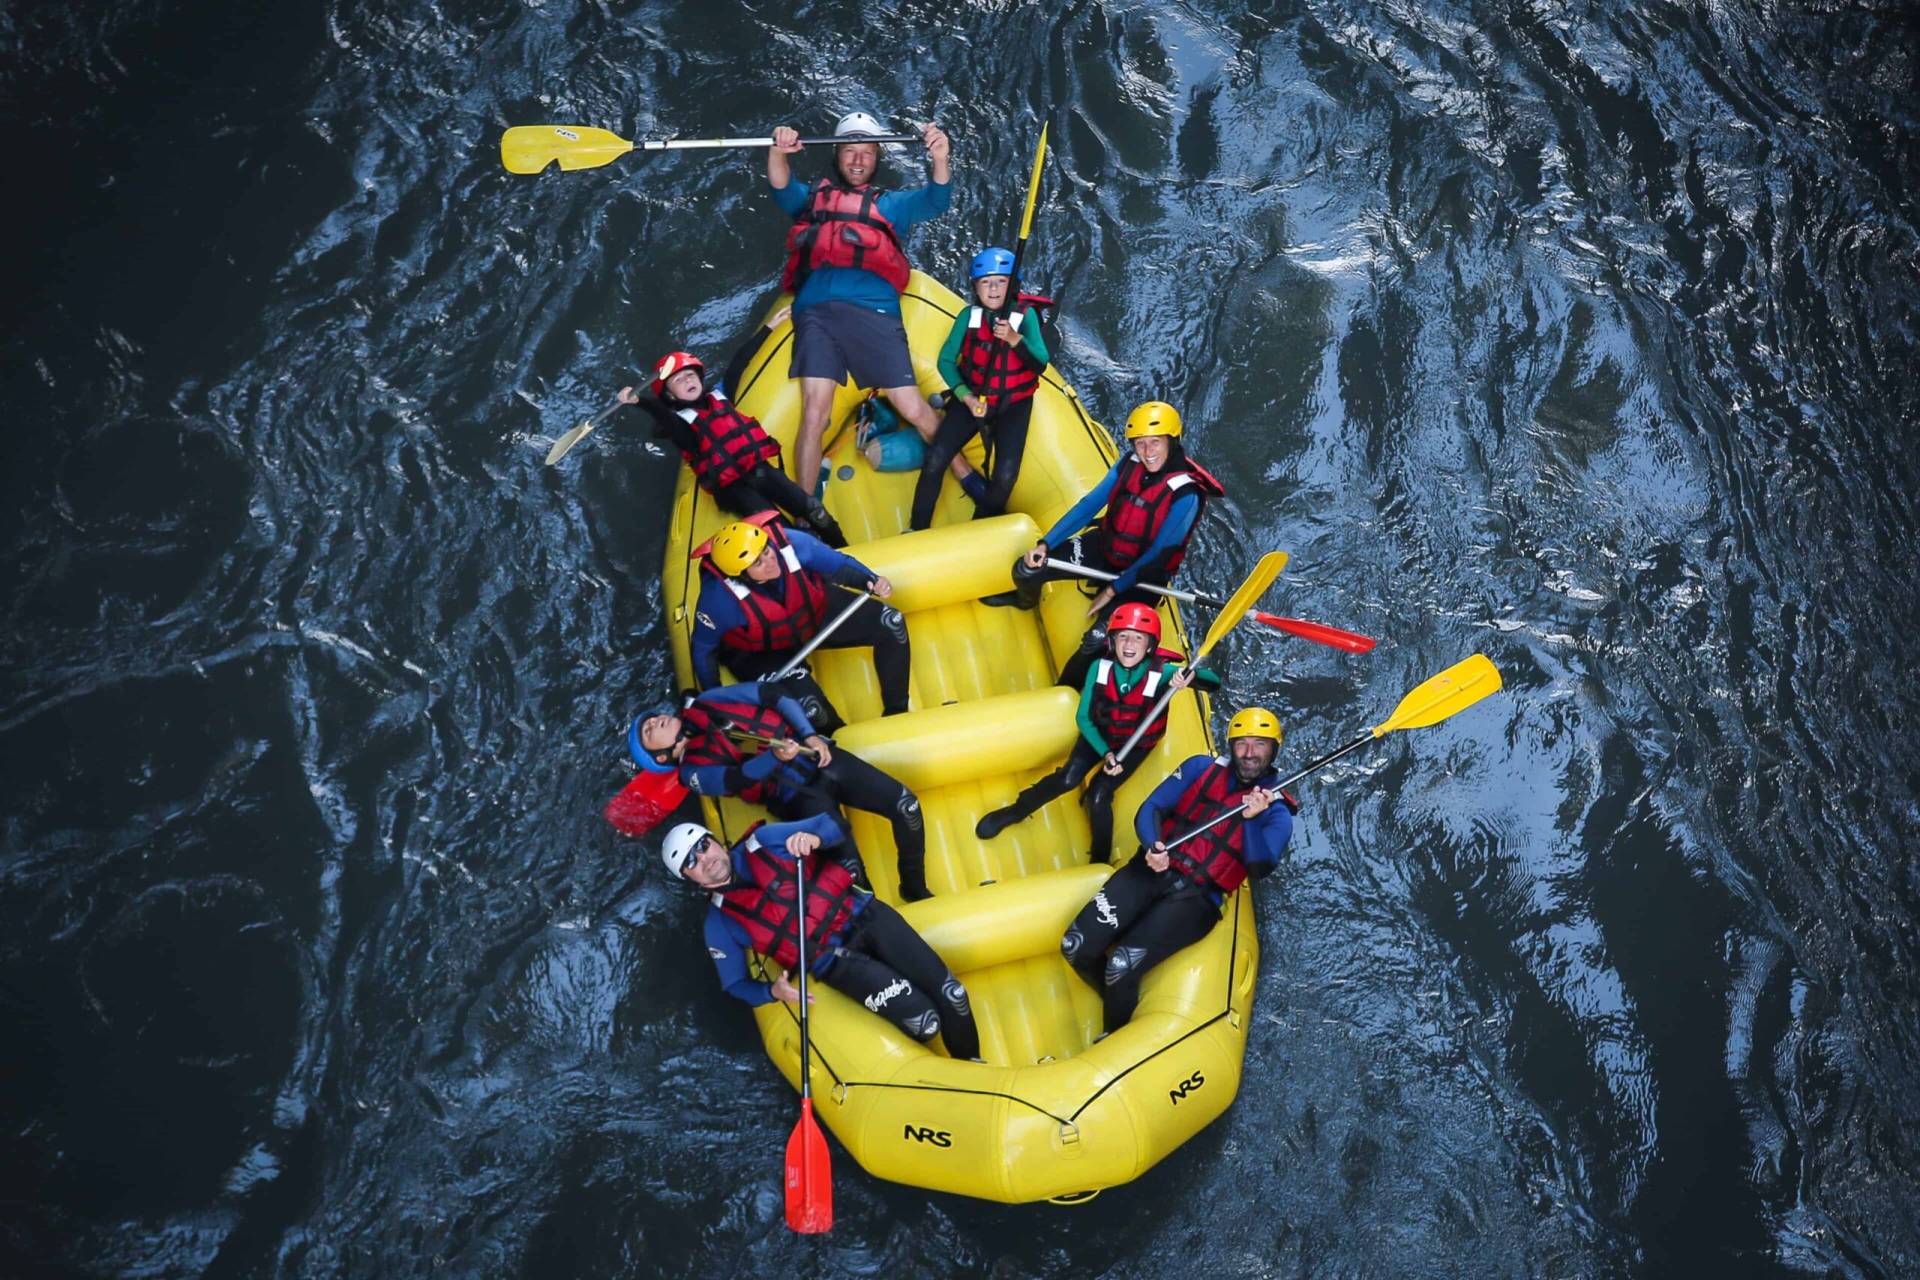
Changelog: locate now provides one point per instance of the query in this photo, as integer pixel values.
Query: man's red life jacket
(1117, 714)
(728, 443)
(705, 723)
(782, 614)
(1214, 859)
(765, 904)
(1139, 504)
(1003, 374)
(842, 226)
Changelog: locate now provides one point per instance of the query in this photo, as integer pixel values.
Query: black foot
(994, 823)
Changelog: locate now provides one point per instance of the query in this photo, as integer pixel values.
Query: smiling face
(1130, 646)
(684, 385)
(1152, 451)
(992, 291)
(857, 161)
(709, 866)
(1251, 756)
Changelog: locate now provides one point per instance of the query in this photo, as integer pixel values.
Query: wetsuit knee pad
(955, 994)
(908, 807)
(1122, 962)
(895, 623)
(922, 1026)
(1070, 943)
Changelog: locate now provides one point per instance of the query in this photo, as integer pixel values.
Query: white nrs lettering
(878, 1000)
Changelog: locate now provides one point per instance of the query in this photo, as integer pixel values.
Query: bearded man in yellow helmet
(766, 593)
(1153, 498)
(1168, 898)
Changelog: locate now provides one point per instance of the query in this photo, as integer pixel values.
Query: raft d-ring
(1074, 1197)
(839, 1094)
(1070, 1137)
(1233, 1019)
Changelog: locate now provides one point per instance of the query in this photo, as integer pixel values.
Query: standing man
(846, 268)
(1167, 899)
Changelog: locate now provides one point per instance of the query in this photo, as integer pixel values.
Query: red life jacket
(728, 443)
(842, 226)
(782, 614)
(1214, 859)
(764, 904)
(1116, 714)
(706, 722)
(1139, 504)
(1004, 374)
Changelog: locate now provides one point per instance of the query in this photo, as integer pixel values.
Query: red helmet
(1135, 617)
(671, 363)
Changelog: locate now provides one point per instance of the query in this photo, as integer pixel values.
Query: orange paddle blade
(809, 1177)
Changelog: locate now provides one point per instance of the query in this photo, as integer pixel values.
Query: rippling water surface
(1582, 334)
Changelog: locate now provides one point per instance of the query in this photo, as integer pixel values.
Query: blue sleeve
(824, 560)
(1178, 524)
(1266, 839)
(792, 198)
(794, 714)
(715, 613)
(1146, 820)
(774, 835)
(1084, 510)
(905, 208)
(727, 945)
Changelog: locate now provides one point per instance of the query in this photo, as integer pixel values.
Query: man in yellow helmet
(1169, 895)
(765, 595)
(1153, 498)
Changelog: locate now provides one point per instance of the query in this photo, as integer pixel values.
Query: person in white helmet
(856, 944)
(846, 267)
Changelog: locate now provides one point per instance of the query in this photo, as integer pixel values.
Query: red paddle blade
(645, 802)
(809, 1178)
(1318, 632)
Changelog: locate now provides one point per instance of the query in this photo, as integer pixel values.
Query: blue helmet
(992, 262)
(641, 756)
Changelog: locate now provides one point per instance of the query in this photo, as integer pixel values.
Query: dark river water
(1580, 334)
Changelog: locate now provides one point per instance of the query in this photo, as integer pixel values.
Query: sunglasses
(694, 854)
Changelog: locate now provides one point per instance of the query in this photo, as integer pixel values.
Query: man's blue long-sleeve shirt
(718, 610)
(1266, 836)
(727, 780)
(727, 940)
(1179, 523)
(856, 284)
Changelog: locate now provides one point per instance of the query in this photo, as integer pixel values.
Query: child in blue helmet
(992, 362)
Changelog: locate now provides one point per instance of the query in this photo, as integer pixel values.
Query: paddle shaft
(800, 934)
(819, 637)
(688, 144)
(749, 735)
(1282, 785)
(1147, 722)
(1318, 632)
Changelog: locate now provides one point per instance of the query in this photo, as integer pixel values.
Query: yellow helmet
(1255, 722)
(1154, 418)
(737, 546)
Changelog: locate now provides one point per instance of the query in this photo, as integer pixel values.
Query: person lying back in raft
(732, 457)
(856, 944)
(846, 270)
(1166, 899)
(766, 592)
(1153, 498)
(1120, 690)
(755, 742)
(992, 362)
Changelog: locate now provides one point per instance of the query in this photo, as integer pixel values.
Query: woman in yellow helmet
(1166, 899)
(1153, 498)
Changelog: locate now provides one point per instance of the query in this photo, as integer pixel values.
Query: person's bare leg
(913, 406)
(816, 405)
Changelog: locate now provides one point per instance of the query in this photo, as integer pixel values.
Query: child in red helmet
(1119, 694)
(733, 458)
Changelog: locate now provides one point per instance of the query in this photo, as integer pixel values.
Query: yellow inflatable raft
(1053, 1115)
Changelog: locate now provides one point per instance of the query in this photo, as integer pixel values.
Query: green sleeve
(1202, 675)
(949, 362)
(1084, 716)
(1031, 339)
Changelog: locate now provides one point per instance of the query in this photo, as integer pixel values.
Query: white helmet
(678, 848)
(858, 124)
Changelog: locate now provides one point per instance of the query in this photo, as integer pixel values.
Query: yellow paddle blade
(1452, 691)
(1242, 600)
(1033, 183)
(529, 148)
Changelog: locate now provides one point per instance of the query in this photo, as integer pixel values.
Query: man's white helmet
(677, 849)
(858, 124)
